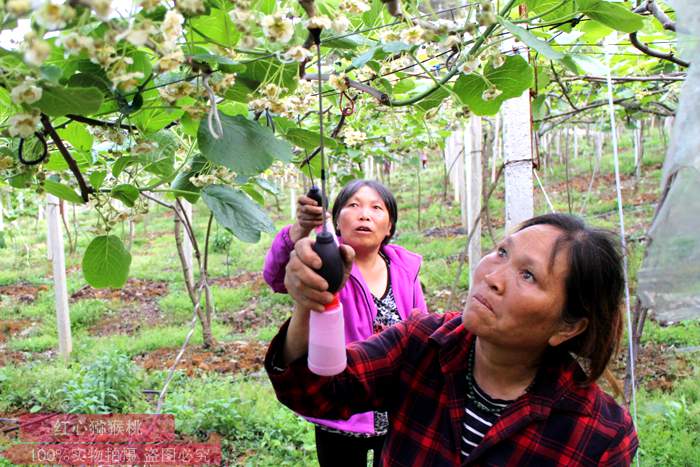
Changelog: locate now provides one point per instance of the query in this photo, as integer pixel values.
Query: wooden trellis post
(55, 242)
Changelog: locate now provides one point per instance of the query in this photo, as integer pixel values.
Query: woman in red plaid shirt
(497, 384)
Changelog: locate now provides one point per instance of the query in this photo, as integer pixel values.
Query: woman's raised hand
(306, 287)
(309, 216)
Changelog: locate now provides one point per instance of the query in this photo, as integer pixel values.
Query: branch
(383, 98)
(472, 51)
(592, 105)
(650, 6)
(85, 189)
(627, 79)
(653, 53)
(102, 123)
(334, 133)
(561, 85)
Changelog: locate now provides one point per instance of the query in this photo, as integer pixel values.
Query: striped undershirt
(478, 421)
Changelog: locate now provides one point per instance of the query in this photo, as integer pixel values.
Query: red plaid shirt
(416, 371)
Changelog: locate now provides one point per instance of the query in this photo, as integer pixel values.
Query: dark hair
(594, 286)
(352, 187)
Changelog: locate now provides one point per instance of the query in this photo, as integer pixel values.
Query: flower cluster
(354, 6)
(218, 175)
(144, 147)
(341, 24)
(23, 124)
(53, 16)
(353, 137)
(18, 7)
(175, 91)
(339, 82)
(190, 7)
(297, 53)
(36, 50)
(319, 22)
(277, 28)
(26, 92)
(74, 44)
(414, 35)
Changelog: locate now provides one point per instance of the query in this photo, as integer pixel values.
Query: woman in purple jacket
(382, 290)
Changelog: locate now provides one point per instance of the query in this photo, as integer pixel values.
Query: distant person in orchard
(499, 383)
(424, 160)
(382, 288)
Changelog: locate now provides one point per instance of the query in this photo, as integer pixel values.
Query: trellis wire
(616, 158)
(539, 182)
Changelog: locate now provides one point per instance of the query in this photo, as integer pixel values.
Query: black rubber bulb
(331, 262)
(316, 195)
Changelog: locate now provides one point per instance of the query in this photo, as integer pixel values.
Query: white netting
(669, 280)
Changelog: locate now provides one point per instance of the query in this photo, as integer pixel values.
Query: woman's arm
(309, 216)
(309, 291)
(370, 381)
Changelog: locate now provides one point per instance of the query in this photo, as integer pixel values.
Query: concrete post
(55, 236)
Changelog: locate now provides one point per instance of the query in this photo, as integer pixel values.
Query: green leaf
(308, 140)
(512, 78)
(182, 180)
(260, 71)
(127, 194)
(237, 212)
(87, 80)
(347, 42)
(374, 15)
(266, 6)
(97, 179)
(154, 120)
(250, 190)
(57, 163)
(122, 163)
(531, 40)
(77, 135)
(433, 100)
(62, 191)
(216, 27)
(403, 86)
(57, 101)
(587, 64)
(612, 15)
(106, 262)
(233, 108)
(141, 63)
(371, 54)
(51, 73)
(396, 47)
(246, 147)
(225, 64)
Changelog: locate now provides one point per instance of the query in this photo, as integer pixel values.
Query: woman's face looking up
(518, 292)
(364, 220)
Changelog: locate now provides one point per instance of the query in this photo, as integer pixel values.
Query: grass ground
(134, 334)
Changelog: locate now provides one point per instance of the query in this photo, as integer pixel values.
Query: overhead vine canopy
(104, 101)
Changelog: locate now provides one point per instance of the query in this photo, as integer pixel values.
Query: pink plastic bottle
(327, 340)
